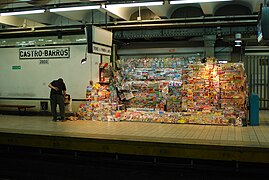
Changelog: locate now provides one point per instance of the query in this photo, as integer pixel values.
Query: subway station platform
(225, 143)
(34, 147)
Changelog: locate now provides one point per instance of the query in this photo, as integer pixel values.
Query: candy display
(233, 91)
(170, 90)
(101, 104)
(185, 91)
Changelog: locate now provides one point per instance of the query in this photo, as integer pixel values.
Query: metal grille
(258, 77)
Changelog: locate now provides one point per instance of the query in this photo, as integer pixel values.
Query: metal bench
(20, 107)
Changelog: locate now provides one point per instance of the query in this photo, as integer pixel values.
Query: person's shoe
(62, 119)
(54, 119)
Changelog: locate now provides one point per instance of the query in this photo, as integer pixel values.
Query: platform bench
(20, 107)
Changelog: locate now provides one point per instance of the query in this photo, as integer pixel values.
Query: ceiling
(165, 11)
(119, 17)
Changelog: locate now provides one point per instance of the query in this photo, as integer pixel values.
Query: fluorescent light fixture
(238, 41)
(237, 44)
(77, 8)
(157, 3)
(81, 40)
(195, 1)
(23, 12)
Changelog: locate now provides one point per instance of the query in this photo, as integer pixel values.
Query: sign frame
(98, 37)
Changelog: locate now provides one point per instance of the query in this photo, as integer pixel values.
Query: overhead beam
(119, 13)
(74, 15)
(163, 11)
(208, 8)
(39, 2)
(180, 32)
(18, 22)
(50, 19)
(256, 5)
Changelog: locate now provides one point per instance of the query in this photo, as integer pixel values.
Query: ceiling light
(23, 12)
(237, 44)
(157, 3)
(195, 1)
(78, 8)
(81, 40)
(238, 40)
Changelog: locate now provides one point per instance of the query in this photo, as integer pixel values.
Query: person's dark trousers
(54, 100)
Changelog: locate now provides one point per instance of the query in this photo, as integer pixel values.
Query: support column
(209, 44)
(237, 54)
(114, 55)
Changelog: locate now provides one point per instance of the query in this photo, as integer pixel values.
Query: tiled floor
(249, 136)
(234, 146)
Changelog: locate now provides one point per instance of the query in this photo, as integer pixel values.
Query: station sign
(44, 53)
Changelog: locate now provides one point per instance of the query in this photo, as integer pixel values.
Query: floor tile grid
(230, 134)
(185, 129)
(238, 134)
(140, 129)
(260, 136)
(189, 131)
(202, 133)
(172, 131)
(210, 133)
(245, 136)
(176, 130)
(196, 132)
(162, 130)
(262, 133)
(192, 134)
(224, 133)
(218, 133)
(252, 135)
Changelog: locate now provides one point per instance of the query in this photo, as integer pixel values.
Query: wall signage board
(99, 49)
(263, 25)
(44, 53)
(16, 67)
(101, 36)
(99, 41)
